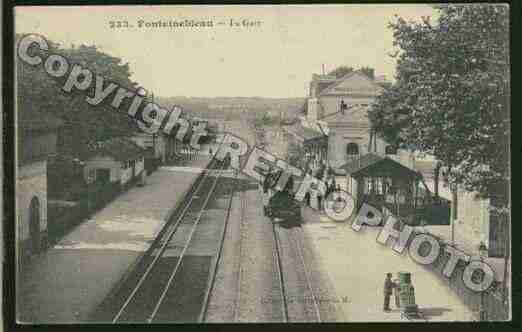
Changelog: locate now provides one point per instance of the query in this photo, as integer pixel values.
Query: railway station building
(334, 130)
(117, 162)
(334, 125)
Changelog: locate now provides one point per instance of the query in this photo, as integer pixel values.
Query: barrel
(404, 278)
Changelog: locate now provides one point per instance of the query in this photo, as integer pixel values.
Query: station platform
(66, 283)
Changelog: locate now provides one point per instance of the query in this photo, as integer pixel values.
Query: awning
(304, 134)
(372, 165)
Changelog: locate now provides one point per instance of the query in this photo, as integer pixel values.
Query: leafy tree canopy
(451, 96)
(343, 70)
(40, 93)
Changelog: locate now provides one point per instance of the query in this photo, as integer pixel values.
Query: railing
(489, 305)
(498, 235)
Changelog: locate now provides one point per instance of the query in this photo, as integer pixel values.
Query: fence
(490, 302)
(499, 236)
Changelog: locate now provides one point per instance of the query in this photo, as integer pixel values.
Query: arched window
(390, 149)
(352, 149)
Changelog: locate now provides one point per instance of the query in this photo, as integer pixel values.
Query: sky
(275, 56)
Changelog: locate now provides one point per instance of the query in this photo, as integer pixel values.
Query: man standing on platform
(389, 285)
(268, 184)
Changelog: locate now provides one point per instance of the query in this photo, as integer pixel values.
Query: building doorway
(103, 175)
(34, 226)
(352, 151)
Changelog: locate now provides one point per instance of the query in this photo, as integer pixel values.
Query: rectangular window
(379, 183)
(385, 186)
(368, 187)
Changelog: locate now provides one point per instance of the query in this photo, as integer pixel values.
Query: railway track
(279, 272)
(301, 300)
(212, 277)
(297, 245)
(258, 283)
(283, 308)
(173, 280)
(237, 302)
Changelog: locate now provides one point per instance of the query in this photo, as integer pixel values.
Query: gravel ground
(309, 292)
(299, 298)
(260, 297)
(183, 300)
(247, 275)
(247, 287)
(223, 299)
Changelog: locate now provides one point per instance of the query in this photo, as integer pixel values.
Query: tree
(39, 92)
(370, 72)
(343, 70)
(340, 71)
(451, 93)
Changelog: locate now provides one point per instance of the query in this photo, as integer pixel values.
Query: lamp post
(453, 189)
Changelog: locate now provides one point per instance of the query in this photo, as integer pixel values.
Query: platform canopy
(372, 165)
(305, 134)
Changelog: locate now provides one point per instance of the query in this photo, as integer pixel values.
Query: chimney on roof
(311, 114)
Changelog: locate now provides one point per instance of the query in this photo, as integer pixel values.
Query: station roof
(354, 82)
(304, 133)
(119, 148)
(372, 165)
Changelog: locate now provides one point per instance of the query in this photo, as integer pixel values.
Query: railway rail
(174, 281)
(237, 302)
(297, 245)
(279, 272)
(149, 298)
(301, 301)
(246, 297)
(212, 277)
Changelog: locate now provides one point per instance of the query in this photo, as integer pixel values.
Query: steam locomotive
(281, 206)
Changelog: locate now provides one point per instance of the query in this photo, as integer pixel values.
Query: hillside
(234, 107)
